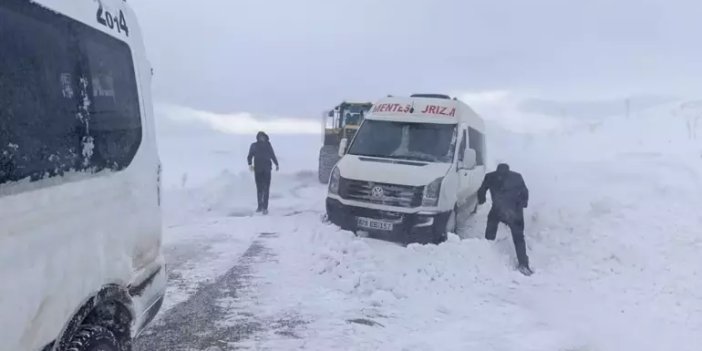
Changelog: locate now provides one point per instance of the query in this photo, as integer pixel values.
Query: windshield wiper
(415, 157)
(370, 155)
(418, 156)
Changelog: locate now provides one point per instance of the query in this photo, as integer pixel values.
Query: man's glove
(481, 200)
(277, 168)
(251, 168)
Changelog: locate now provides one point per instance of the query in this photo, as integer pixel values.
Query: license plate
(374, 224)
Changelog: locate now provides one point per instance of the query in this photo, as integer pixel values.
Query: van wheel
(93, 338)
(441, 230)
(441, 236)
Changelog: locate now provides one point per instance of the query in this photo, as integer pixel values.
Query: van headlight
(334, 181)
(432, 192)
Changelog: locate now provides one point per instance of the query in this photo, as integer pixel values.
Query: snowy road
(194, 324)
(612, 229)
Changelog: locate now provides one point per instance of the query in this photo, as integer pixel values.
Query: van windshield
(428, 142)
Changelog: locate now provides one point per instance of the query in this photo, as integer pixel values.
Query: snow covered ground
(613, 231)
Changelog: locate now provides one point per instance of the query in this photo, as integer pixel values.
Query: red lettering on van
(397, 108)
(439, 110)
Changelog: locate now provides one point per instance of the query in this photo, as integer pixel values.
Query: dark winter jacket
(507, 189)
(261, 154)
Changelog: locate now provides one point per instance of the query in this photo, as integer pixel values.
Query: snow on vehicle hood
(391, 171)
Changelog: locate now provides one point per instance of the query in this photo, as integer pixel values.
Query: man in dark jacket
(261, 159)
(510, 197)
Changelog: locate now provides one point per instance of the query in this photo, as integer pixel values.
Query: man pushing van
(261, 159)
(510, 197)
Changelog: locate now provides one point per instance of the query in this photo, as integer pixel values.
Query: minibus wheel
(93, 338)
(442, 229)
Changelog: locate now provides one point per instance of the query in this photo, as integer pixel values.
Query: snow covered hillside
(613, 231)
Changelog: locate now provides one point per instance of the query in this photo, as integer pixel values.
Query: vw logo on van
(377, 192)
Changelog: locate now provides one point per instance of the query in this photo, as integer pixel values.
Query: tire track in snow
(196, 324)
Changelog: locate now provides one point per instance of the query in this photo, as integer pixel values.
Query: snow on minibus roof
(425, 110)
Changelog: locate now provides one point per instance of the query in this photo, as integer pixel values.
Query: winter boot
(525, 270)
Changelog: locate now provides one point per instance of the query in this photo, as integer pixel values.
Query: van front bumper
(420, 227)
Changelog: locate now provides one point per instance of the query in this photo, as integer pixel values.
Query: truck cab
(414, 165)
(340, 123)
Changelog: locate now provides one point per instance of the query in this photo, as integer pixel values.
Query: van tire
(94, 338)
(328, 157)
(440, 228)
(440, 237)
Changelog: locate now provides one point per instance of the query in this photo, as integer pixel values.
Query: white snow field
(614, 230)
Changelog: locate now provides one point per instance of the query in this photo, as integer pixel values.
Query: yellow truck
(341, 123)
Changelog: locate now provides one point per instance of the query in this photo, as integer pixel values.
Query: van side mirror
(342, 146)
(469, 160)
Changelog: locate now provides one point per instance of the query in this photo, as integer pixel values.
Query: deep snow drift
(613, 231)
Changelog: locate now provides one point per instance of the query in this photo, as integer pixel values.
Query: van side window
(68, 97)
(462, 147)
(113, 110)
(477, 143)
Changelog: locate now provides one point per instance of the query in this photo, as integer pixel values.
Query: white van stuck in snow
(80, 224)
(413, 166)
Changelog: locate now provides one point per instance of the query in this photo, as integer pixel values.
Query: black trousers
(263, 187)
(515, 220)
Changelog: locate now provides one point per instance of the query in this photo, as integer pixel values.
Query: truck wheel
(93, 338)
(328, 157)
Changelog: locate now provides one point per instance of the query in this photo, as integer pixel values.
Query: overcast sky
(296, 58)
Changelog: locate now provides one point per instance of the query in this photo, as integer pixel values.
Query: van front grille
(381, 194)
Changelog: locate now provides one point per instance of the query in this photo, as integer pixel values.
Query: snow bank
(615, 231)
(193, 160)
(363, 294)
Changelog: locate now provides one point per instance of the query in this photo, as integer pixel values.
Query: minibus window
(115, 123)
(477, 143)
(68, 97)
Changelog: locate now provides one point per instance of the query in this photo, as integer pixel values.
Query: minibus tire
(439, 229)
(93, 338)
(440, 237)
